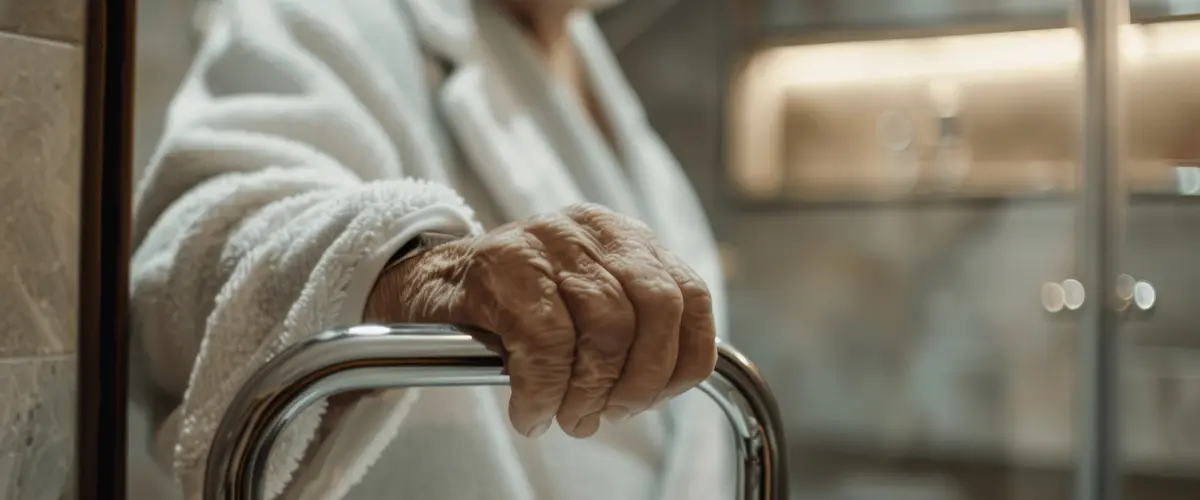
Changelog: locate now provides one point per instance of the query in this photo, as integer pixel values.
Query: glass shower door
(903, 252)
(1154, 339)
(935, 335)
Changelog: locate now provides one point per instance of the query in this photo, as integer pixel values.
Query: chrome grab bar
(391, 357)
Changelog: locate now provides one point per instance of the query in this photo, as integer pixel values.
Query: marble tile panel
(40, 139)
(37, 427)
(61, 20)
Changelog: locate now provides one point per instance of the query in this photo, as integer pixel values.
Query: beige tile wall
(40, 134)
(61, 20)
(41, 95)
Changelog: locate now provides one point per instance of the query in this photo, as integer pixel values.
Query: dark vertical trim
(104, 250)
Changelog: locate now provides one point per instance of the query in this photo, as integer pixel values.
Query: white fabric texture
(313, 138)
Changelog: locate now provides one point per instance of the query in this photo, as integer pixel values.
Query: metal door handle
(390, 357)
(1131, 295)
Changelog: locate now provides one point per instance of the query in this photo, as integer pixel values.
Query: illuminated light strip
(761, 91)
(958, 55)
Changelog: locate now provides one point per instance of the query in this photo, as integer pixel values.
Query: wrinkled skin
(595, 318)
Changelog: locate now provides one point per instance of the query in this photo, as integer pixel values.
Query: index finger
(529, 315)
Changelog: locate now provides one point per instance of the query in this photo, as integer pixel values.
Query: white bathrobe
(309, 141)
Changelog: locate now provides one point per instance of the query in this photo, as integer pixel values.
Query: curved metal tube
(387, 357)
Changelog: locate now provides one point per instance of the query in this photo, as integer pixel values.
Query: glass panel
(41, 104)
(1160, 405)
(897, 217)
(167, 37)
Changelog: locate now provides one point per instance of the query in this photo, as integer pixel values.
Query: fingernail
(538, 430)
(616, 414)
(587, 426)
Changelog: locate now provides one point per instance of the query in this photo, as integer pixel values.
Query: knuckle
(602, 310)
(560, 233)
(600, 218)
(603, 220)
(548, 222)
(629, 227)
(698, 317)
(640, 228)
(662, 292)
(544, 218)
(543, 310)
(697, 294)
(594, 292)
(511, 259)
(585, 210)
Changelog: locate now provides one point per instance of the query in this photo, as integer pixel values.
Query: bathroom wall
(41, 96)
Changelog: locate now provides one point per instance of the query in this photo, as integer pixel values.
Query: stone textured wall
(41, 96)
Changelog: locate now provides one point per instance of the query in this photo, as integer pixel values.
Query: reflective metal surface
(379, 357)
(1099, 238)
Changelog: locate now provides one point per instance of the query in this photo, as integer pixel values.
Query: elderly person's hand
(594, 317)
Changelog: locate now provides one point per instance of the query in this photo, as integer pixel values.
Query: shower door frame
(1101, 201)
(100, 458)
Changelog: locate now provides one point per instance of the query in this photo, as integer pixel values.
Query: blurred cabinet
(905, 176)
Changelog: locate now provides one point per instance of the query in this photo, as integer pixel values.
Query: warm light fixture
(775, 72)
(961, 54)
